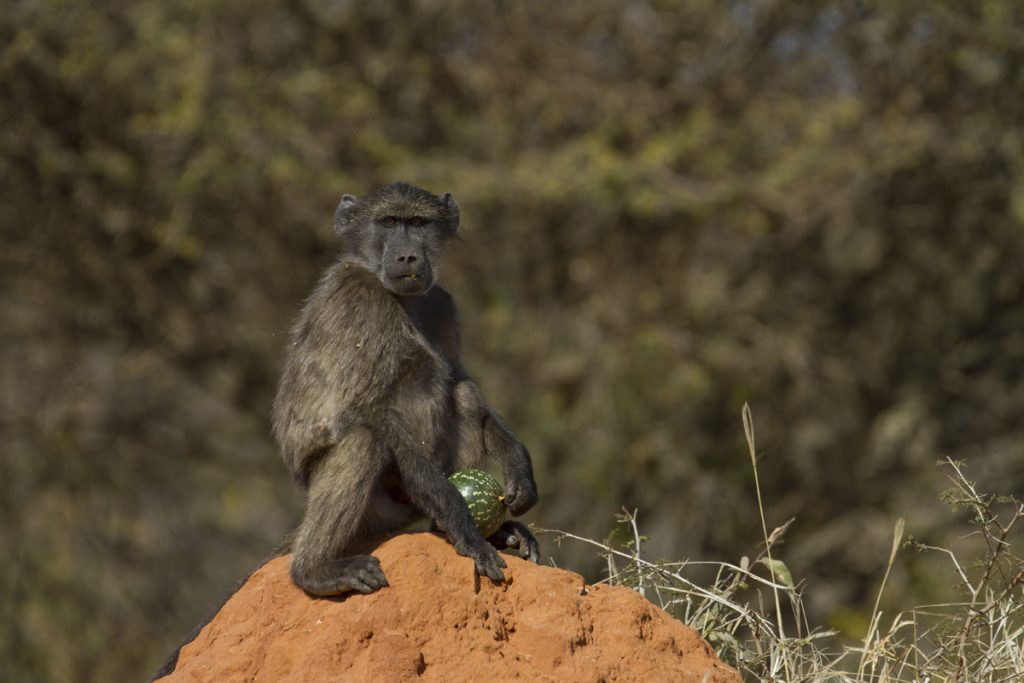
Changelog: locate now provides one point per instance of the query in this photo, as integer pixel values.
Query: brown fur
(374, 409)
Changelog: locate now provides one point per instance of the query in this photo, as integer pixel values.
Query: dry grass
(752, 612)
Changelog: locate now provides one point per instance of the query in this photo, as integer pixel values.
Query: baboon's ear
(347, 201)
(451, 207)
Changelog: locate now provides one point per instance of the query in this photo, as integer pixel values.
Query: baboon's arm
(430, 491)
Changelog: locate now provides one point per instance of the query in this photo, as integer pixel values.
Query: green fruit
(483, 495)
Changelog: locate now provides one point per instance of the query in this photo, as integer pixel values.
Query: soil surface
(431, 624)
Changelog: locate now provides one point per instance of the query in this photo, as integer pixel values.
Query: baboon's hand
(356, 573)
(514, 534)
(520, 494)
(361, 573)
(488, 561)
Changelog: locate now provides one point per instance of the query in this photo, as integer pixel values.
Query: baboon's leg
(502, 444)
(482, 431)
(339, 492)
(471, 410)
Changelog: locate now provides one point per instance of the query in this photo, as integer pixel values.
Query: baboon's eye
(389, 221)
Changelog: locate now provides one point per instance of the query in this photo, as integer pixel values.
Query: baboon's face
(410, 245)
(399, 233)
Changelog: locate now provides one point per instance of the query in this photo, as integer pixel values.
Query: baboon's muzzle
(408, 272)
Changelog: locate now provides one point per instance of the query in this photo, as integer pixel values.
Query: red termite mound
(542, 624)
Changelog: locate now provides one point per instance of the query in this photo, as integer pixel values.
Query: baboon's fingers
(357, 584)
(504, 537)
(490, 570)
(361, 573)
(373, 577)
(511, 498)
(520, 497)
(488, 562)
(530, 550)
(514, 534)
(366, 568)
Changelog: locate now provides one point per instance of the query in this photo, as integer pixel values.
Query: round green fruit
(483, 495)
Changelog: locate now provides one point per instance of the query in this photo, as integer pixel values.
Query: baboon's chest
(426, 405)
(424, 402)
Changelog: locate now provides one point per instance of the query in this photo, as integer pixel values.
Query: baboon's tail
(283, 548)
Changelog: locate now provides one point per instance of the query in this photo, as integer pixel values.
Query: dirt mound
(542, 624)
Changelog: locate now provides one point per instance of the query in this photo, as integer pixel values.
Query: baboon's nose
(407, 259)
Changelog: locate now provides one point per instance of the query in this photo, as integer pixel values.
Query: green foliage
(671, 209)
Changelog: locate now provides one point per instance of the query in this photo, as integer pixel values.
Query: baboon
(374, 408)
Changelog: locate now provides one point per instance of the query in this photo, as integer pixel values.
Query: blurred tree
(670, 208)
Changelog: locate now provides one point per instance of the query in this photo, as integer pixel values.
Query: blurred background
(669, 209)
